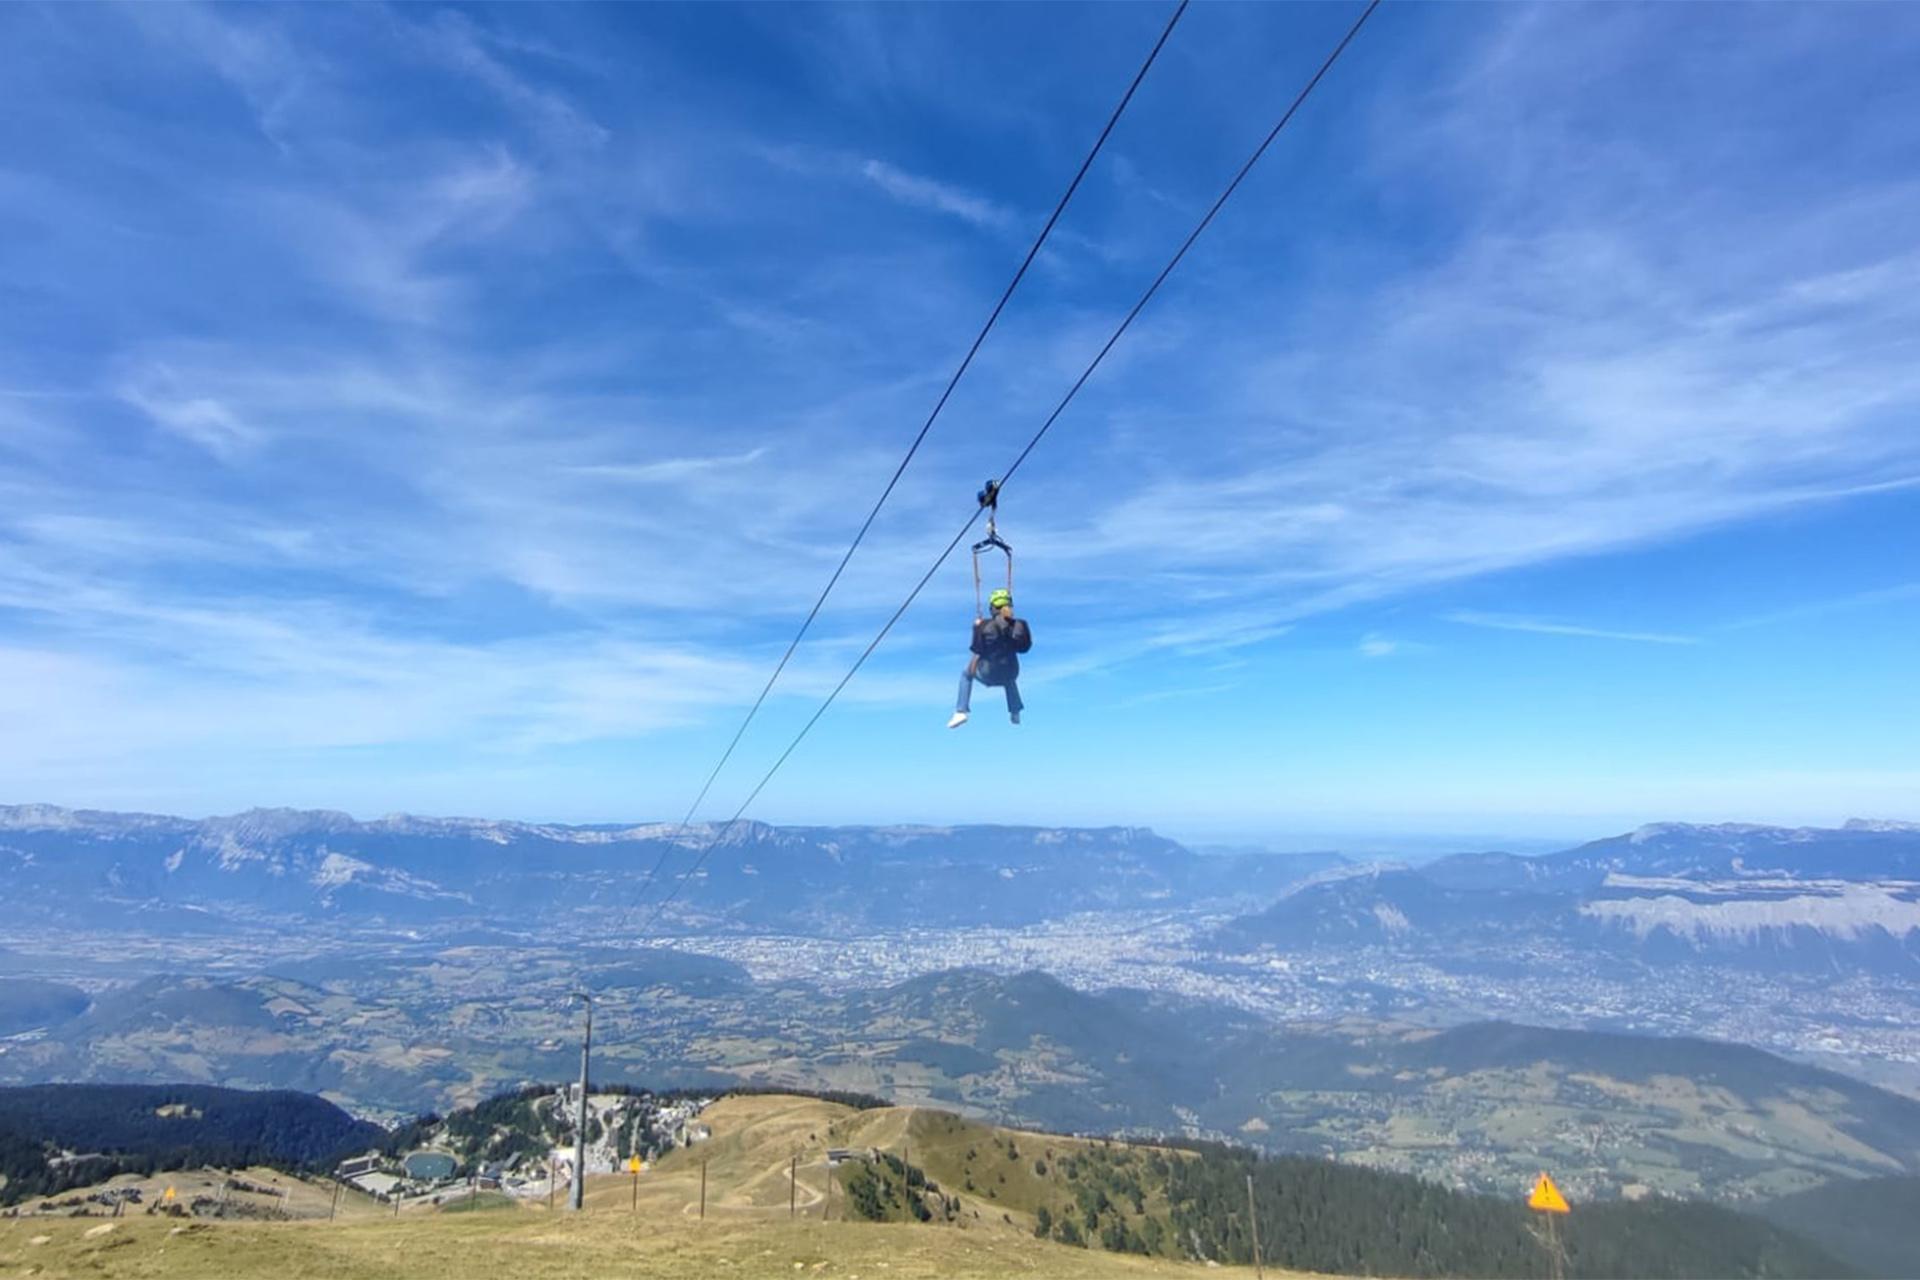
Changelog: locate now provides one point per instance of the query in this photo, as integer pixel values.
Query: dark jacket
(997, 641)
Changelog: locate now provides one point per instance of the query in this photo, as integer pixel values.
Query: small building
(377, 1184)
(351, 1169)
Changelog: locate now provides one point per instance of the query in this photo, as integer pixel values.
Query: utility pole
(1253, 1218)
(576, 1199)
(703, 1190)
(793, 1187)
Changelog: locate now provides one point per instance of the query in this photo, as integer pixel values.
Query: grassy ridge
(530, 1245)
(772, 1206)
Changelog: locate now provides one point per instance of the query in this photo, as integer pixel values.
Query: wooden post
(1253, 1217)
(553, 1175)
(635, 1207)
(793, 1187)
(703, 1190)
(334, 1212)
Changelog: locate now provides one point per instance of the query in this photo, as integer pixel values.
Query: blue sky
(456, 410)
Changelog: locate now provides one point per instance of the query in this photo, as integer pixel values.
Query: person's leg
(962, 704)
(1014, 705)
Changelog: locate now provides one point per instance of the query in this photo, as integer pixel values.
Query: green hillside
(1871, 1223)
(1314, 1214)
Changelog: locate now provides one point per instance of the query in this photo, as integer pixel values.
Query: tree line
(1320, 1215)
(57, 1137)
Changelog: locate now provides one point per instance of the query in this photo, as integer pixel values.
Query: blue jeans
(1014, 705)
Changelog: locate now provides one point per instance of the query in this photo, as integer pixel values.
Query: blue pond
(428, 1166)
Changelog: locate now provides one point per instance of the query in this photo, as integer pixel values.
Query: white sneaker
(959, 718)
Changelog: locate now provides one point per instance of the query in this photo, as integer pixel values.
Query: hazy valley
(1099, 981)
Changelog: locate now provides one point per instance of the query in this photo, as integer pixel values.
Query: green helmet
(1000, 598)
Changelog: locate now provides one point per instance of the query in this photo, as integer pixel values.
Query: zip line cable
(978, 341)
(1160, 279)
(1046, 426)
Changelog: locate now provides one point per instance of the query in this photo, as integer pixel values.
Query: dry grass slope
(747, 1231)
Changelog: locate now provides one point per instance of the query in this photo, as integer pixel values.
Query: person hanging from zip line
(998, 642)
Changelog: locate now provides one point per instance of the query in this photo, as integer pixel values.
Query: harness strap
(979, 607)
(989, 497)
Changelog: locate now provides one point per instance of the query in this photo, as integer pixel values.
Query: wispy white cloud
(1900, 593)
(669, 469)
(546, 397)
(387, 248)
(1544, 626)
(941, 197)
(1567, 378)
(458, 42)
(198, 419)
(1568, 440)
(1176, 694)
(303, 674)
(252, 55)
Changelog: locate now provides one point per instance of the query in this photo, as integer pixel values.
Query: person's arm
(993, 636)
(1019, 634)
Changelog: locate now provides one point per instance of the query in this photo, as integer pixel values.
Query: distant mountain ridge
(404, 870)
(1739, 893)
(1773, 896)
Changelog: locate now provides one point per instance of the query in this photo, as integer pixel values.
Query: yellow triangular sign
(169, 1194)
(634, 1165)
(1547, 1198)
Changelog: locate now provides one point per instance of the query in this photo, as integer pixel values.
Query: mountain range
(1767, 896)
(407, 872)
(1771, 896)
